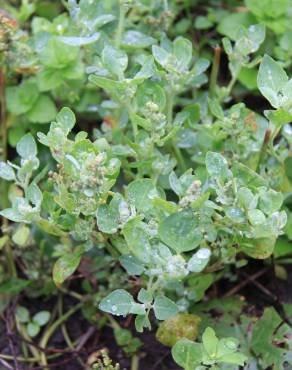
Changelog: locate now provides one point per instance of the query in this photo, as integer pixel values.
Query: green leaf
(32, 329)
(164, 307)
(137, 40)
(210, 342)
(270, 201)
(20, 237)
(180, 231)
(271, 80)
(258, 248)
(115, 60)
(187, 354)
(199, 260)
(150, 91)
(14, 286)
(41, 318)
(137, 240)
(256, 217)
(65, 267)
(216, 165)
(26, 147)
(22, 314)
(107, 219)
(118, 303)
(140, 193)
(66, 119)
(6, 172)
(34, 194)
(43, 111)
(20, 99)
(132, 265)
(182, 49)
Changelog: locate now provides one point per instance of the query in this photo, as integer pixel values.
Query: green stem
(263, 148)
(8, 249)
(121, 25)
(50, 331)
(135, 362)
(215, 70)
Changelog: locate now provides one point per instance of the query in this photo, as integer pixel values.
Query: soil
(259, 293)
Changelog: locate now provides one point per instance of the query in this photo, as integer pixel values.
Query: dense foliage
(146, 151)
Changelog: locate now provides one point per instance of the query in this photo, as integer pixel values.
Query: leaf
(140, 193)
(270, 201)
(107, 220)
(132, 265)
(216, 165)
(180, 326)
(258, 248)
(22, 314)
(115, 60)
(34, 194)
(256, 217)
(164, 307)
(210, 342)
(137, 240)
(180, 231)
(271, 80)
(6, 172)
(268, 331)
(175, 184)
(26, 147)
(187, 354)
(20, 99)
(13, 286)
(41, 318)
(118, 303)
(43, 111)
(137, 40)
(20, 237)
(65, 266)
(150, 91)
(79, 40)
(161, 56)
(66, 119)
(182, 49)
(32, 329)
(199, 260)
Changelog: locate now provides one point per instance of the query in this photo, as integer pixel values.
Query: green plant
(178, 185)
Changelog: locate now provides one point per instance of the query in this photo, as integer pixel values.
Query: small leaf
(164, 307)
(210, 342)
(140, 193)
(119, 302)
(26, 147)
(115, 60)
(271, 80)
(20, 237)
(216, 165)
(65, 267)
(187, 354)
(6, 172)
(132, 265)
(182, 49)
(32, 329)
(41, 318)
(180, 231)
(66, 119)
(199, 260)
(22, 314)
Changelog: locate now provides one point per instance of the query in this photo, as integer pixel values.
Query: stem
(50, 331)
(121, 25)
(8, 249)
(135, 362)
(215, 70)
(263, 148)
(170, 103)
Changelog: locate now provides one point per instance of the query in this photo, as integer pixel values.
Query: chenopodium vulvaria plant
(120, 192)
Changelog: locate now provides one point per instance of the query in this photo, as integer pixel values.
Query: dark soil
(259, 293)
